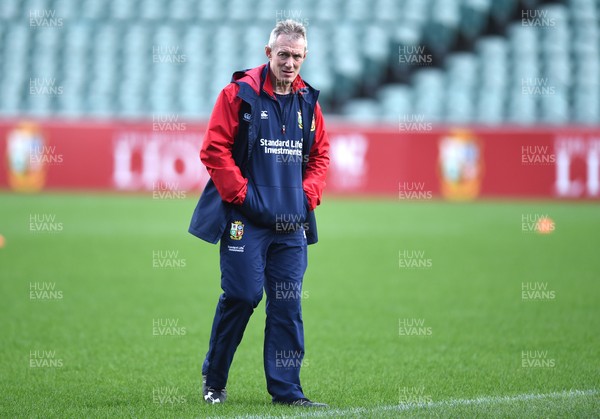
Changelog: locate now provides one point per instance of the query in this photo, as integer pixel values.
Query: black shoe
(303, 403)
(211, 395)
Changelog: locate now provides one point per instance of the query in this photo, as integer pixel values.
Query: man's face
(286, 58)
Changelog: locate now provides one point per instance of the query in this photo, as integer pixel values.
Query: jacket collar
(298, 85)
(258, 78)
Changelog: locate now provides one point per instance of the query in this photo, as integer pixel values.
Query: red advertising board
(460, 163)
(455, 163)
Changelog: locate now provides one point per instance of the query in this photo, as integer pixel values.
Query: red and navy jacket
(236, 124)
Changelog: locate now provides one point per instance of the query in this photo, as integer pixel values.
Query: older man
(267, 154)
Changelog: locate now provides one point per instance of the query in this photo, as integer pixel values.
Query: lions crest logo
(236, 232)
(460, 165)
(301, 126)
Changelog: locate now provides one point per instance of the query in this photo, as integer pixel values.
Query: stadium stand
(449, 61)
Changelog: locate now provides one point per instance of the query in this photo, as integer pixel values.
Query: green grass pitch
(109, 314)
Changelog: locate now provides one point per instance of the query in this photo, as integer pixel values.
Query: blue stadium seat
(462, 80)
(95, 9)
(396, 101)
(429, 94)
(184, 10)
(9, 9)
(362, 110)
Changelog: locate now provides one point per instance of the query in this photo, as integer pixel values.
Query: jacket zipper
(282, 110)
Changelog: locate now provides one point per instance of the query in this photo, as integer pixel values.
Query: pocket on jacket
(210, 215)
(272, 206)
(254, 207)
(306, 206)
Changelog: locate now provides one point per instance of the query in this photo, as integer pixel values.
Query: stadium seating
(481, 61)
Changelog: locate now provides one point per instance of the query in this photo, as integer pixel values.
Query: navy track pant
(260, 258)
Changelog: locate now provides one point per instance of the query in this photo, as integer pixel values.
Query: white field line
(406, 407)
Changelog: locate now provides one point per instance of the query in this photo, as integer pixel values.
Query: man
(267, 154)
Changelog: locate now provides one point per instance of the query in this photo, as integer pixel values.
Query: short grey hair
(288, 27)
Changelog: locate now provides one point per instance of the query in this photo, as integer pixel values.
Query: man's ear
(268, 51)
